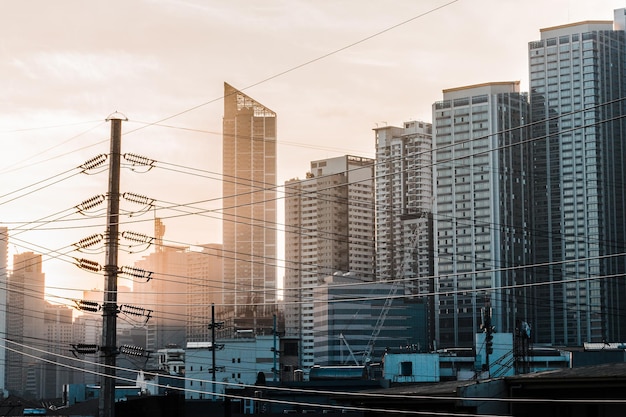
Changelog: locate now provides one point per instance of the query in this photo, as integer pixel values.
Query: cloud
(72, 66)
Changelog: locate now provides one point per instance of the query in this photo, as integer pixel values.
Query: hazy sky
(332, 70)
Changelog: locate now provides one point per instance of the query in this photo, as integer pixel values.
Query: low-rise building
(239, 361)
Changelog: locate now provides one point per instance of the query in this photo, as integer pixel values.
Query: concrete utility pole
(106, 402)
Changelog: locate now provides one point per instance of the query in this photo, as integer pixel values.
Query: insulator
(137, 237)
(217, 369)
(89, 241)
(136, 272)
(94, 162)
(138, 159)
(132, 310)
(90, 306)
(132, 350)
(139, 199)
(217, 325)
(84, 348)
(88, 265)
(91, 203)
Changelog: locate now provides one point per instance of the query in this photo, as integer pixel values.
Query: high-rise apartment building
(328, 229)
(404, 202)
(249, 211)
(479, 215)
(403, 194)
(576, 184)
(56, 368)
(25, 323)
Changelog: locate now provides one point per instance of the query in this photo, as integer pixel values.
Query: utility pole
(274, 371)
(213, 370)
(106, 404)
(489, 330)
(214, 346)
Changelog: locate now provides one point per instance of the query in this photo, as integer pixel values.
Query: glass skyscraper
(249, 213)
(576, 182)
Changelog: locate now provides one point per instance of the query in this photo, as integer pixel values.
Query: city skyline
(507, 197)
(60, 79)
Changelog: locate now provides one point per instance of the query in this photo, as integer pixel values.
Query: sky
(331, 70)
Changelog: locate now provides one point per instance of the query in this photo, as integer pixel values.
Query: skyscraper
(249, 211)
(404, 202)
(25, 322)
(329, 217)
(578, 195)
(479, 215)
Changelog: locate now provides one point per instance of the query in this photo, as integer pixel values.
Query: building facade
(404, 203)
(25, 323)
(354, 324)
(166, 294)
(578, 195)
(204, 272)
(56, 368)
(186, 281)
(479, 215)
(238, 361)
(249, 211)
(329, 217)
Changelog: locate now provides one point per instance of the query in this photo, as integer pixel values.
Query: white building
(329, 220)
(237, 361)
(479, 215)
(404, 203)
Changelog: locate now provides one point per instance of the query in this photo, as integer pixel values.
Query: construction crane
(397, 283)
(345, 342)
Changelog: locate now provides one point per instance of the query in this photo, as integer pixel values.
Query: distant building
(249, 206)
(25, 323)
(204, 272)
(166, 292)
(480, 221)
(56, 368)
(329, 220)
(185, 282)
(576, 187)
(354, 325)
